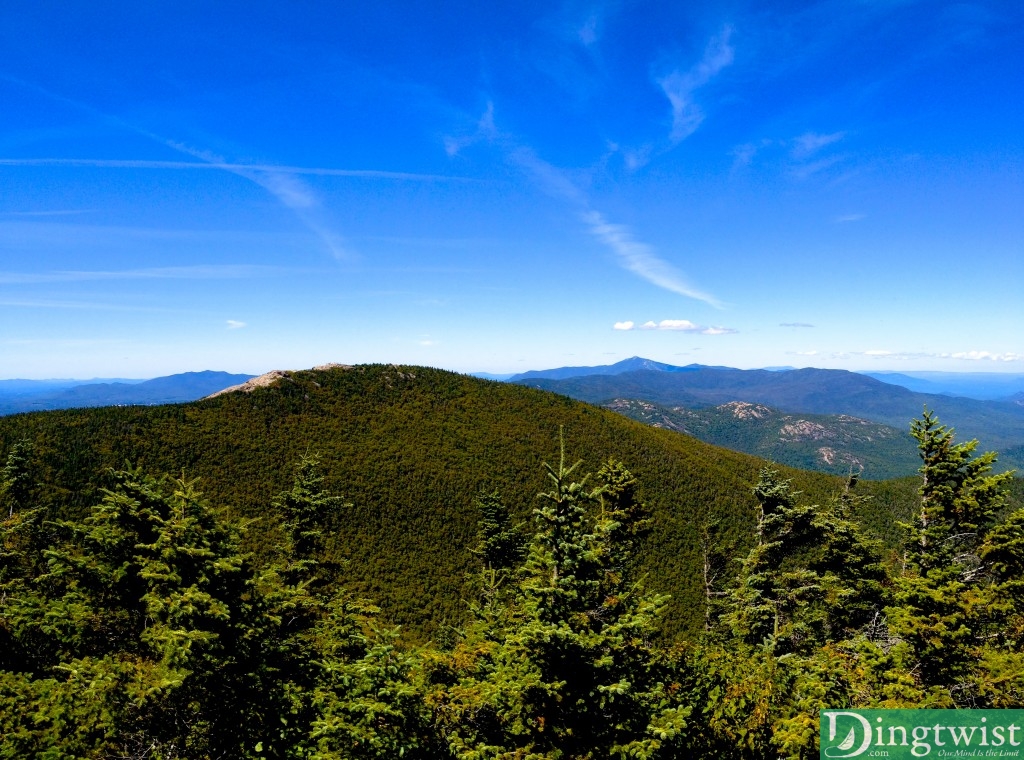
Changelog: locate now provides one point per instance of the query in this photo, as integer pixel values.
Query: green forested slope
(996, 424)
(410, 448)
(140, 626)
(835, 444)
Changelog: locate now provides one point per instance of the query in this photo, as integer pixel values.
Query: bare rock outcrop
(270, 378)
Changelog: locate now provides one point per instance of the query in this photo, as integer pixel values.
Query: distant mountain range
(998, 425)
(39, 395)
(633, 364)
(827, 443)
(985, 386)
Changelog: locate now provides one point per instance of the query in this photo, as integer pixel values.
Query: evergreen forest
(384, 562)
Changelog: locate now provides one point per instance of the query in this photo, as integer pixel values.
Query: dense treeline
(410, 448)
(144, 629)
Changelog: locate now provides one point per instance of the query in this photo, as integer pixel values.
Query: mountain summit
(632, 364)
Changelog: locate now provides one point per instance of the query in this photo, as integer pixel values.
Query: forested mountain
(525, 539)
(172, 389)
(838, 444)
(985, 386)
(633, 364)
(411, 448)
(997, 424)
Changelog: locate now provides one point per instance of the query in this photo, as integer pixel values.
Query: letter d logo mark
(845, 747)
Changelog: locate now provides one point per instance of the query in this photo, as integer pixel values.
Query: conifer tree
(943, 601)
(1000, 671)
(16, 480)
(809, 585)
(137, 638)
(566, 669)
(343, 685)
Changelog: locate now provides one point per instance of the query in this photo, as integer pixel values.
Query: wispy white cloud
(679, 86)
(637, 158)
(810, 143)
(795, 324)
(554, 181)
(67, 212)
(977, 356)
(66, 342)
(640, 258)
(291, 191)
(216, 272)
(588, 32)
(804, 156)
(674, 325)
(484, 130)
(810, 168)
(846, 218)
(743, 155)
(967, 356)
(99, 163)
(632, 254)
(42, 303)
(234, 324)
(294, 195)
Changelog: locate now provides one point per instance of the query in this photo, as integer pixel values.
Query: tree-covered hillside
(144, 629)
(996, 424)
(411, 448)
(835, 444)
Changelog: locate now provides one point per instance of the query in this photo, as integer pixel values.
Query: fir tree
(342, 686)
(810, 584)
(566, 668)
(943, 603)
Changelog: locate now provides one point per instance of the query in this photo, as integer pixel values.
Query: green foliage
(786, 647)
(565, 667)
(138, 634)
(151, 634)
(825, 443)
(410, 448)
(149, 625)
(954, 594)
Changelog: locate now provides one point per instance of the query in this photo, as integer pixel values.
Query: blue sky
(510, 186)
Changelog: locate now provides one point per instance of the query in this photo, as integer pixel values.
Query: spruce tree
(566, 668)
(137, 638)
(942, 611)
(784, 648)
(342, 686)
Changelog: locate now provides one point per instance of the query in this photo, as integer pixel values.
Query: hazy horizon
(918, 374)
(510, 188)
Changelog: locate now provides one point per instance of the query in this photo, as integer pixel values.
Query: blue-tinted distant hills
(39, 395)
(985, 386)
(492, 376)
(997, 424)
(633, 364)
